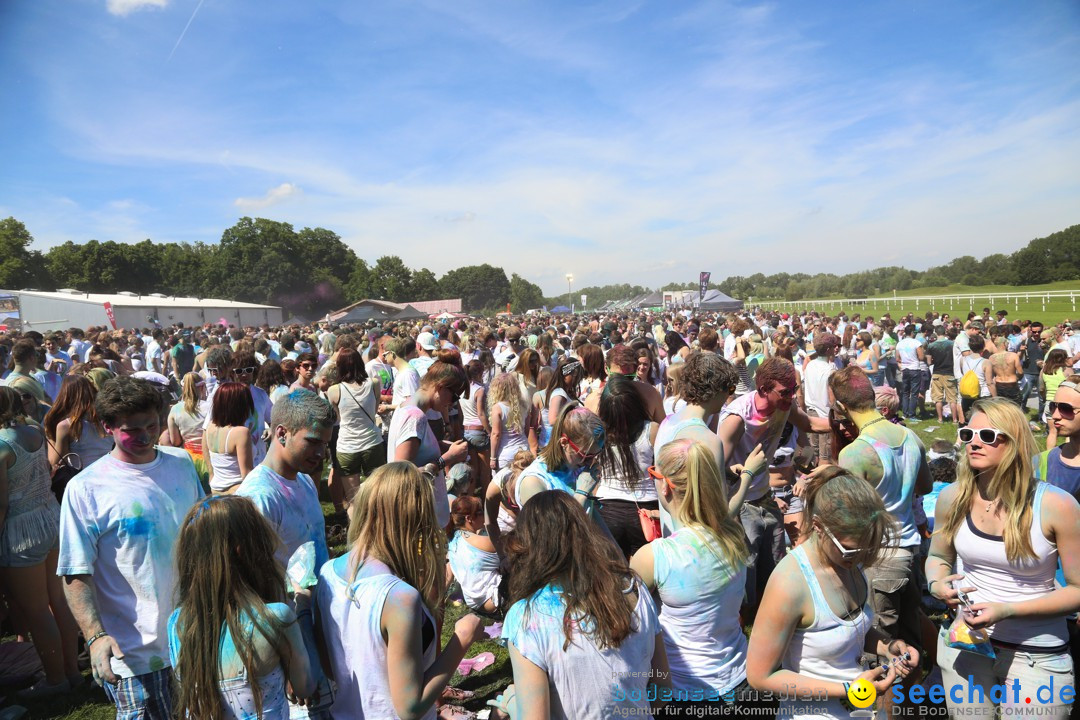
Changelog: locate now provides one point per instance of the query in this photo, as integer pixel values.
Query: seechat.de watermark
(969, 699)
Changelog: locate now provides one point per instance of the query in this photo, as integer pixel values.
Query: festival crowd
(664, 513)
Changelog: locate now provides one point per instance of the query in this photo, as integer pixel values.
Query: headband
(575, 364)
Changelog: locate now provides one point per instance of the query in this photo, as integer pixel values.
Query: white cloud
(124, 7)
(273, 196)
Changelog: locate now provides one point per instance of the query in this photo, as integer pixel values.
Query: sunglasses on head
(987, 436)
(586, 457)
(655, 474)
(1066, 409)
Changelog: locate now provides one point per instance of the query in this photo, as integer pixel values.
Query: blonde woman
(1009, 531)
(380, 604)
(815, 621)
(699, 573)
(511, 420)
(186, 420)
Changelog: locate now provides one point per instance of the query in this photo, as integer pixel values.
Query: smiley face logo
(861, 693)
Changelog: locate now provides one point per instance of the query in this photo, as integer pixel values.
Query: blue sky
(632, 142)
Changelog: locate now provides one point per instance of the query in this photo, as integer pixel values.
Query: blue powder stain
(137, 524)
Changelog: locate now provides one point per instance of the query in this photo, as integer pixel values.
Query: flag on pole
(704, 284)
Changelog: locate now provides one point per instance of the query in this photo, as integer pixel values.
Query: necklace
(880, 418)
(991, 504)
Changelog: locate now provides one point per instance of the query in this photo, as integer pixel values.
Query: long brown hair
(394, 522)
(555, 543)
(74, 402)
(226, 576)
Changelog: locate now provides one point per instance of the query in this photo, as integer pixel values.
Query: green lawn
(1052, 312)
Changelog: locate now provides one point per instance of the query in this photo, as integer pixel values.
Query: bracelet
(844, 700)
(96, 636)
(930, 586)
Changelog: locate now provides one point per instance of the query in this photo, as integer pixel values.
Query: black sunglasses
(1067, 409)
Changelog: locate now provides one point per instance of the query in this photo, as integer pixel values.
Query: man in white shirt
(816, 389)
(910, 353)
(119, 523)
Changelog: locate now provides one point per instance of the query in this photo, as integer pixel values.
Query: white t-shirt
(410, 422)
(907, 354)
(154, 356)
(586, 681)
(406, 384)
(119, 522)
(292, 508)
(816, 385)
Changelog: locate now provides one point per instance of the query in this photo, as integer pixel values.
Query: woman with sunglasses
(699, 574)
(1010, 531)
(578, 438)
(815, 622)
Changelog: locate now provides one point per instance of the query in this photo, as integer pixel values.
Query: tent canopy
(716, 300)
(560, 309)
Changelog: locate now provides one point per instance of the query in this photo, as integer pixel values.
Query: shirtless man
(1003, 372)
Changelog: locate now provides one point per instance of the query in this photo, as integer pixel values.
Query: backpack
(969, 384)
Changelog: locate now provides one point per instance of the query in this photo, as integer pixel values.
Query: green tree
(359, 285)
(524, 295)
(391, 279)
(17, 261)
(425, 286)
(478, 286)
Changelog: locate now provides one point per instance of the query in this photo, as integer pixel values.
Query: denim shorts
(478, 439)
(31, 556)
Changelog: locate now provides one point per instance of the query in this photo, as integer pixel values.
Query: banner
(111, 314)
(704, 284)
(583, 300)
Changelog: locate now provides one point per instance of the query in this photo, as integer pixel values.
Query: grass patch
(1005, 297)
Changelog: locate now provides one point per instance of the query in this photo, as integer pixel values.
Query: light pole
(569, 279)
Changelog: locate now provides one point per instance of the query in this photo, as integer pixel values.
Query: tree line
(311, 271)
(308, 272)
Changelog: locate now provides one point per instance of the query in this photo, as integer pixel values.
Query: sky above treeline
(636, 142)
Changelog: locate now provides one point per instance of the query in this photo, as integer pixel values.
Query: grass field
(1004, 297)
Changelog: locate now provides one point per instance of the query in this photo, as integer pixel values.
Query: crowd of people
(669, 513)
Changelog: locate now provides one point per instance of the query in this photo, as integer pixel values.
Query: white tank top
(756, 429)
(91, 447)
(350, 617)
(511, 439)
(226, 466)
(640, 488)
(469, 417)
(987, 568)
(829, 649)
(357, 431)
(700, 598)
(476, 570)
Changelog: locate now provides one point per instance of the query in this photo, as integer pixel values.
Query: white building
(71, 308)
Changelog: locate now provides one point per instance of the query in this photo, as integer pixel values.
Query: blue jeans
(1027, 384)
(909, 391)
(890, 373)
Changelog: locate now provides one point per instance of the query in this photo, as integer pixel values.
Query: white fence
(962, 302)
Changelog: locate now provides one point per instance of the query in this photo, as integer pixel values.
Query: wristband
(95, 637)
(930, 587)
(844, 700)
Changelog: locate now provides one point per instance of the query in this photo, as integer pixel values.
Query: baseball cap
(427, 341)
